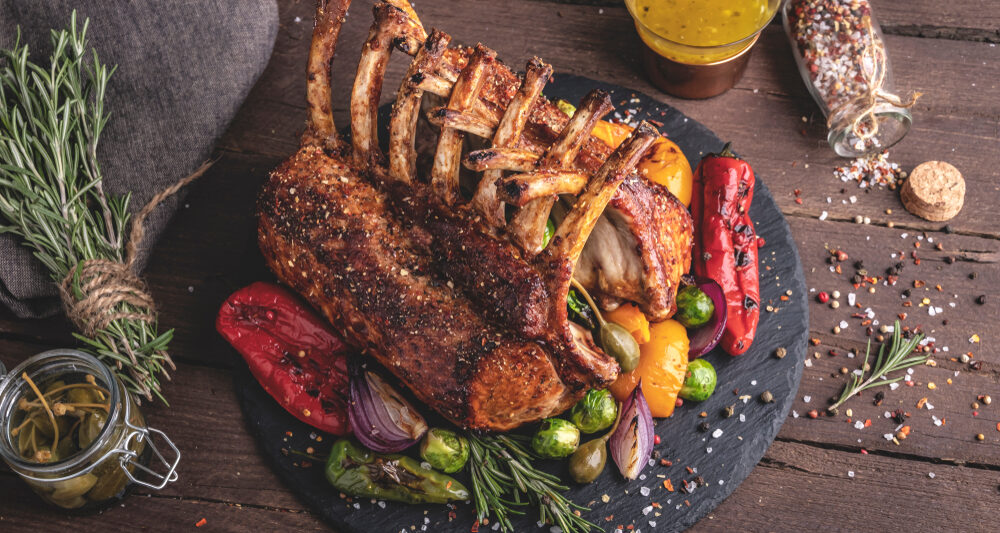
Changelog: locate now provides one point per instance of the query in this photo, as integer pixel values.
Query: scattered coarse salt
(645, 492)
(859, 425)
(795, 414)
(850, 473)
(887, 436)
(708, 450)
(717, 433)
(930, 475)
(649, 508)
(754, 382)
(850, 299)
(807, 399)
(823, 215)
(893, 386)
(843, 324)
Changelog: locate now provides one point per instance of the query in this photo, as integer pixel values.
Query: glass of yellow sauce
(698, 48)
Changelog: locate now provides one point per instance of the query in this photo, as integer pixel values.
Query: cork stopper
(935, 191)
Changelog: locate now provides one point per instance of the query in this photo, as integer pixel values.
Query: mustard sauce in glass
(698, 48)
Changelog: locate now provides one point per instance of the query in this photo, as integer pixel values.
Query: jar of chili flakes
(840, 52)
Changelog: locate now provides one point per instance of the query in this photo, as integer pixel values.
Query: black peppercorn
(981, 300)
(906, 293)
(948, 229)
(950, 260)
(703, 427)
(973, 275)
(728, 411)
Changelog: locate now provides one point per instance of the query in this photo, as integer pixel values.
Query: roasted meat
(466, 308)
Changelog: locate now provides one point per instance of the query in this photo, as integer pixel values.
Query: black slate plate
(723, 462)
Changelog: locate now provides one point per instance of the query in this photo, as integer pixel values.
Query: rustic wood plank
(803, 488)
(22, 511)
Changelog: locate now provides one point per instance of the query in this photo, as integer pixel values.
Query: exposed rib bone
(513, 159)
(320, 129)
(465, 122)
(528, 224)
(392, 27)
(507, 134)
(448, 156)
(572, 233)
(520, 189)
(403, 124)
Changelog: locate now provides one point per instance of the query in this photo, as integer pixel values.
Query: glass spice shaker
(116, 458)
(839, 49)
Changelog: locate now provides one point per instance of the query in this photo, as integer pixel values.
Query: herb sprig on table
(892, 357)
(52, 197)
(504, 481)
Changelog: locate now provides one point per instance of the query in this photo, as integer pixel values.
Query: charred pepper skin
(359, 472)
(294, 354)
(726, 249)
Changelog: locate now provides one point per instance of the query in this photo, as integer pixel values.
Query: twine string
(873, 55)
(94, 291)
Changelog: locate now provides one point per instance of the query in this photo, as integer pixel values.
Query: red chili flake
(689, 469)
(761, 242)
(679, 402)
(797, 192)
(814, 414)
(656, 439)
(798, 201)
(200, 523)
(864, 451)
(666, 462)
(868, 422)
(475, 527)
(975, 413)
(814, 341)
(823, 297)
(667, 484)
(451, 515)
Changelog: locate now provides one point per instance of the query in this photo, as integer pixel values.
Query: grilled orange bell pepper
(662, 364)
(665, 164)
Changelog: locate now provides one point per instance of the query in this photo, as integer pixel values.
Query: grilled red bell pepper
(293, 353)
(726, 247)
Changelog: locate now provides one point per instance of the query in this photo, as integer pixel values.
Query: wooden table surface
(822, 474)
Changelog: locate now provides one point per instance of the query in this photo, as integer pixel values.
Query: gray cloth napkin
(184, 68)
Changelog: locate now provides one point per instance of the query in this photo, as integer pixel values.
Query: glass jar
(698, 48)
(839, 49)
(102, 472)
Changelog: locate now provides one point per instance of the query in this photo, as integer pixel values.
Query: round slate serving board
(721, 460)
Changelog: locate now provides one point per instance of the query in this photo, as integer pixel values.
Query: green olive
(588, 461)
(555, 438)
(620, 344)
(694, 307)
(595, 411)
(699, 381)
(90, 428)
(73, 487)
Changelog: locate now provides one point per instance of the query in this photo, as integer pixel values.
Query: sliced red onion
(632, 442)
(705, 337)
(382, 419)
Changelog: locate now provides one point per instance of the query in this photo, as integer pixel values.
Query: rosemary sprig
(889, 360)
(504, 481)
(52, 195)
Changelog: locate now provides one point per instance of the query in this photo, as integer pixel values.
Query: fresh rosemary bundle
(504, 480)
(52, 197)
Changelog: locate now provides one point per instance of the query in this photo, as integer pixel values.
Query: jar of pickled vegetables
(840, 52)
(698, 48)
(72, 431)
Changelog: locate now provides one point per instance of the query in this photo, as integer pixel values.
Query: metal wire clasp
(128, 457)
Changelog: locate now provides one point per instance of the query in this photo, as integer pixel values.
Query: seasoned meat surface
(461, 298)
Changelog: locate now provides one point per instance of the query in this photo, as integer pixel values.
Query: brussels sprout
(594, 412)
(694, 307)
(555, 438)
(445, 450)
(699, 381)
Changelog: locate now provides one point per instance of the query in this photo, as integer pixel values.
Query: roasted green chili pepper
(359, 472)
